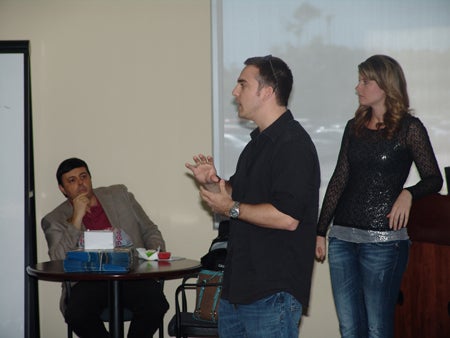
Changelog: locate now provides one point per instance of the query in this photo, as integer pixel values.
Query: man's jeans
(276, 316)
(366, 280)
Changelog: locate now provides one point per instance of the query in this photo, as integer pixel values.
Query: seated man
(97, 209)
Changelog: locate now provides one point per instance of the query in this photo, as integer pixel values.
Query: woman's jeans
(366, 280)
(276, 316)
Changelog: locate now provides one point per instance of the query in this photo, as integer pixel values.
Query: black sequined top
(371, 171)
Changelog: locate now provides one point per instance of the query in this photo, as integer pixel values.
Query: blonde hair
(389, 76)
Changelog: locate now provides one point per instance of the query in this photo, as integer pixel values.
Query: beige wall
(126, 85)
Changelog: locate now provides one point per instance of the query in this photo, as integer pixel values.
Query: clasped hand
(220, 202)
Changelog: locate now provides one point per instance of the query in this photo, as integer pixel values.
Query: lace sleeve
(336, 185)
(423, 156)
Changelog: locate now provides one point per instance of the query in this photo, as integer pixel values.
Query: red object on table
(163, 255)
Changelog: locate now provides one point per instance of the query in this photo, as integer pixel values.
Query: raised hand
(203, 169)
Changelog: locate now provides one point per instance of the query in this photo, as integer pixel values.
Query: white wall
(125, 85)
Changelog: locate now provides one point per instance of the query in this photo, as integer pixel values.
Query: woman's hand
(321, 248)
(399, 215)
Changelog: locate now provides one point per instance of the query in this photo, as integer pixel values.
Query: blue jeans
(276, 316)
(366, 279)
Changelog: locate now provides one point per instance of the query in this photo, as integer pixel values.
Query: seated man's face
(76, 182)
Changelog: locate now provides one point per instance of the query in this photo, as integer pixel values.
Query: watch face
(234, 211)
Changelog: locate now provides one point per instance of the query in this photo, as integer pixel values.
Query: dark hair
(68, 165)
(275, 73)
(389, 76)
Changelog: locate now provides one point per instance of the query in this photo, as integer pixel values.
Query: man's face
(248, 95)
(76, 182)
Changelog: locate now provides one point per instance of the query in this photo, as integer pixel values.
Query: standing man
(272, 201)
(98, 209)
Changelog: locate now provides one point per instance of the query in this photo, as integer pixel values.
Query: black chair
(127, 314)
(183, 324)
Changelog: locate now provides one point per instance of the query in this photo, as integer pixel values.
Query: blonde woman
(368, 204)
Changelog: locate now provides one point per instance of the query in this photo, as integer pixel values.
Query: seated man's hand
(81, 205)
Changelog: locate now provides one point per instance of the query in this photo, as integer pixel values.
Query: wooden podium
(423, 308)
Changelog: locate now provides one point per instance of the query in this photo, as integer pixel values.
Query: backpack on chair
(209, 282)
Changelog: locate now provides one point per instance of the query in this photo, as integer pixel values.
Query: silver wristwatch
(234, 211)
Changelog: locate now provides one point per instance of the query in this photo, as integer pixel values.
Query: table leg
(115, 310)
(161, 325)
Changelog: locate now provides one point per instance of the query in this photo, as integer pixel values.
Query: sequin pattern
(370, 174)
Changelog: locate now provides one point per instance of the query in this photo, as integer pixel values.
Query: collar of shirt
(275, 129)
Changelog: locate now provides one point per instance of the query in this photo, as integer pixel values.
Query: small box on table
(98, 239)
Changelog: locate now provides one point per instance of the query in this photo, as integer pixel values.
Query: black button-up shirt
(278, 166)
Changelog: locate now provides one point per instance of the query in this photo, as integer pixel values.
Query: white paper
(98, 240)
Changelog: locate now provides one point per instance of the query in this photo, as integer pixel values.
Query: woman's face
(369, 93)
